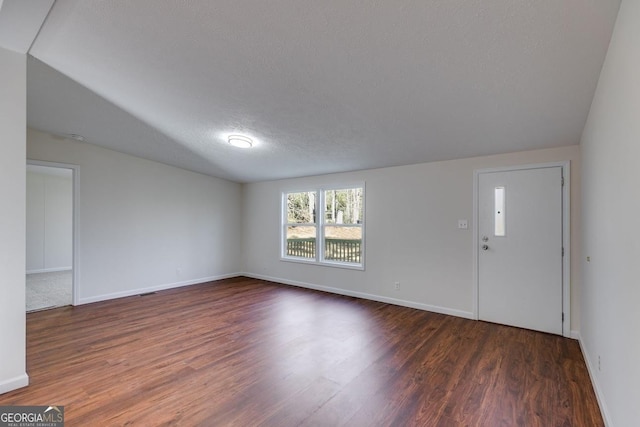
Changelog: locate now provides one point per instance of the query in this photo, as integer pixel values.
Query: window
(499, 212)
(324, 226)
(300, 229)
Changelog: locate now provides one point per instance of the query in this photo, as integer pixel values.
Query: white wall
(611, 207)
(49, 221)
(13, 90)
(412, 237)
(144, 225)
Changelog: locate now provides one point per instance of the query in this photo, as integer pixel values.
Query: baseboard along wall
(132, 292)
(372, 297)
(14, 383)
(49, 270)
(594, 381)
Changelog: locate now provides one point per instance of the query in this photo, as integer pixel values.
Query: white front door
(520, 248)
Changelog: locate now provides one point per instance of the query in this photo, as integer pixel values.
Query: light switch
(463, 224)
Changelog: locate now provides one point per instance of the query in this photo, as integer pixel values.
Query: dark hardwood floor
(245, 352)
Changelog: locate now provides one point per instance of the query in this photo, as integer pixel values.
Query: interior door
(520, 254)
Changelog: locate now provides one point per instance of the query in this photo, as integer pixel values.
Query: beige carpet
(49, 290)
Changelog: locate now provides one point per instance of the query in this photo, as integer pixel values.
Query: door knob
(485, 247)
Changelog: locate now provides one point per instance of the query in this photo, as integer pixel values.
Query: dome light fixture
(240, 141)
(76, 137)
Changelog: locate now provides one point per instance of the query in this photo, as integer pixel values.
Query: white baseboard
(594, 381)
(372, 297)
(131, 292)
(49, 270)
(14, 383)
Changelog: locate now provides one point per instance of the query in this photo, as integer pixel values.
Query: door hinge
(562, 181)
(563, 317)
(563, 251)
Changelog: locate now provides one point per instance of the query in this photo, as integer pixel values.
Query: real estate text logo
(31, 416)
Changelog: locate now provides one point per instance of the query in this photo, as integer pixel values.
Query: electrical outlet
(178, 271)
(397, 286)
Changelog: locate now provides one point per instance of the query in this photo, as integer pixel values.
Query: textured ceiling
(20, 22)
(322, 86)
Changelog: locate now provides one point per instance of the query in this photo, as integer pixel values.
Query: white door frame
(75, 188)
(566, 240)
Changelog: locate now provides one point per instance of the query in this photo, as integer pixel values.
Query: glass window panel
(301, 241)
(343, 243)
(343, 206)
(301, 208)
(500, 213)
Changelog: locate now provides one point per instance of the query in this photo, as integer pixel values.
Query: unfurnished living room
(408, 213)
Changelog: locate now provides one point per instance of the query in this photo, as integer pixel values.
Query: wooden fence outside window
(343, 250)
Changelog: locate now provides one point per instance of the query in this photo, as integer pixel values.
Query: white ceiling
(322, 86)
(20, 22)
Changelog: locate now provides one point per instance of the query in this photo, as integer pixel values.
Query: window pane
(301, 242)
(343, 243)
(499, 210)
(343, 206)
(301, 208)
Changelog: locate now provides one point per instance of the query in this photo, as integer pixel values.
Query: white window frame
(320, 225)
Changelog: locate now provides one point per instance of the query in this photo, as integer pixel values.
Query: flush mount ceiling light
(240, 141)
(76, 137)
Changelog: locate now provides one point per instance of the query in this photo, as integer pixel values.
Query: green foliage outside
(301, 207)
(341, 207)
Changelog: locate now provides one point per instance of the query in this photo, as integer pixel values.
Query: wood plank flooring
(245, 352)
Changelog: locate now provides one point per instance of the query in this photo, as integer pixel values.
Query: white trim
(594, 381)
(372, 297)
(75, 256)
(566, 244)
(49, 270)
(132, 292)
(474, 240)
(336, 264)
(566, 239)
(14, 383)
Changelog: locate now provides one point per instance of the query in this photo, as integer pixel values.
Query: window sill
(342, 265)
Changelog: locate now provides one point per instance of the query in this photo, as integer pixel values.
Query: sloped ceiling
(20, 22)
(321, 86)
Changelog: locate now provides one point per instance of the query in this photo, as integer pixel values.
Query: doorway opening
(50, 224)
